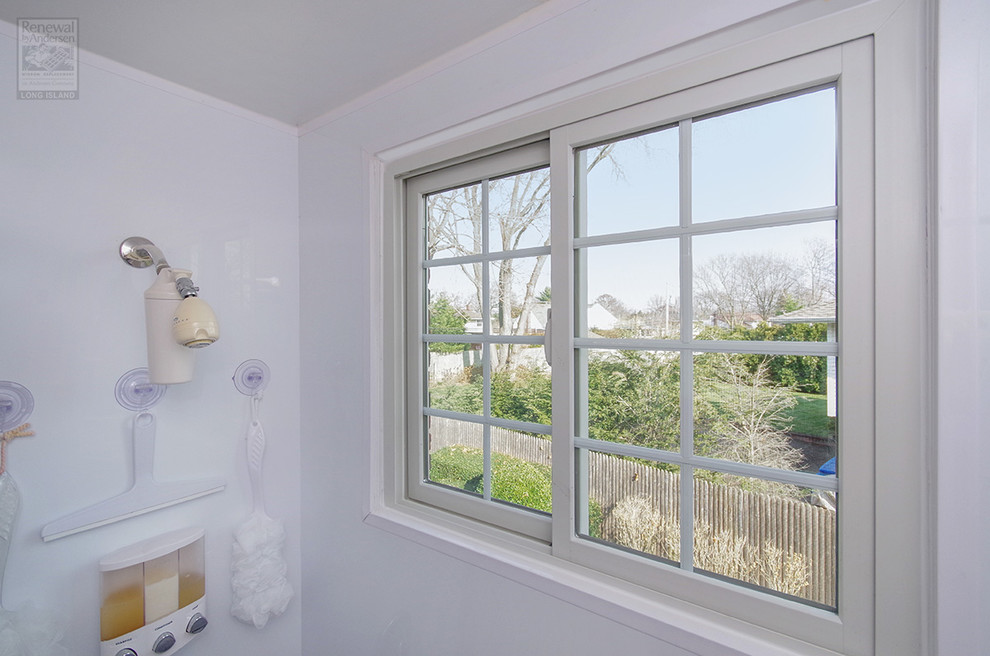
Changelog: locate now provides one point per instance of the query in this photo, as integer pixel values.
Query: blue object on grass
(828, 469)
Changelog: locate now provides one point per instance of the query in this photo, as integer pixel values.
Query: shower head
(177, 319)
(194, 324)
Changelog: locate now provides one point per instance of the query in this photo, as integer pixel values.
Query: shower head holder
(251, 377)
(16, 405)
(140, 253)
(135, 391)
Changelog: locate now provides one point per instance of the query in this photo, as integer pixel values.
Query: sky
(771, 158)
(775, 157)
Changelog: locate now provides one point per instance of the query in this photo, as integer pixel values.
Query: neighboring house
(748, 320)
(751, 320)
(473, 325)
(599, 317)
(823, 312)
(533, 321)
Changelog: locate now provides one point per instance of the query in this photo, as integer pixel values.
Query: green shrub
(457, 397)
(445, 320)
(521, 482)
(804, 373)
(524, 395)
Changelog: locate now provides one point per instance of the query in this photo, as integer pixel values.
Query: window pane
(454, 299)
(519, 211)
(520, 383)
(455, 454)
(748, 277)
(520, 462)
(634, 504)
(634, 397)
(772, 535)
(453, 222)
(770, 410)
(454, 377)
(775, 157)
(632, 184)
(448, 316)
(520, 295)
(521, 469)
(632, 291)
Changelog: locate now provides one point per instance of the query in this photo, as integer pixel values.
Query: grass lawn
(809, 417)
(516, 481)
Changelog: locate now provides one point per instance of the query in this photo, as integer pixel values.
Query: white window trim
(902, 620)
(493, 166)
(851, 65)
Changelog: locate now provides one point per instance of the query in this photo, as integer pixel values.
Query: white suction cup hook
(16, 405)
(135, 391)
(251, 377)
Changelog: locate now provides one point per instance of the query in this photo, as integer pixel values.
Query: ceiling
(292, 60)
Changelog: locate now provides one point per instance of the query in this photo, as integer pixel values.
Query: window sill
(530, 563)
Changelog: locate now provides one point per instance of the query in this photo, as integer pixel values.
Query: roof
(823, 312)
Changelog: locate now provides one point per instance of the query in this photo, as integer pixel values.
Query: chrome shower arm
(140, 252)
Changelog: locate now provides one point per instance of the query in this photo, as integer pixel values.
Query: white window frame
(482, 169)
(898, 619)
(849, 67)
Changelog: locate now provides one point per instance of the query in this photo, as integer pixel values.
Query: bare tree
(730, 286)
(769, 281)
(454, 229)
(753, 420)
(819, 271)
(719, 292)
(518, 216)
(518, 210)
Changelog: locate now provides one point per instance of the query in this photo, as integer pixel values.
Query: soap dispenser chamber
(153, 595)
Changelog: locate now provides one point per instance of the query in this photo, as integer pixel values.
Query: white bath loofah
(258, 571)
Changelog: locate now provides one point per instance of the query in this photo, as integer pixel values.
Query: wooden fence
(766, 526)
(450, 432)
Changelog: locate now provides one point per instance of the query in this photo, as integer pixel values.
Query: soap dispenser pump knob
(196, 623)
(164, 642)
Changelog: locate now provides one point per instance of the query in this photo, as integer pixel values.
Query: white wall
(217, 190)
(964, 326)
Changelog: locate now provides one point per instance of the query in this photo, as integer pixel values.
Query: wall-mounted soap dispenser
(153, 595)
